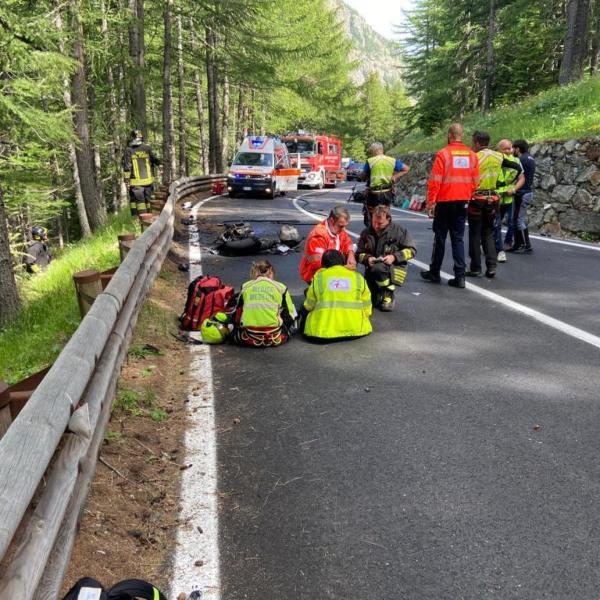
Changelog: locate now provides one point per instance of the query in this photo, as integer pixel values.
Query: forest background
(77, 75)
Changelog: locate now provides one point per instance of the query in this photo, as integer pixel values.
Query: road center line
(198, 532)
(561, 326)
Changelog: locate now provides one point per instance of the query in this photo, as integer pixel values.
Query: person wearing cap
(37, 257)
(139, 162)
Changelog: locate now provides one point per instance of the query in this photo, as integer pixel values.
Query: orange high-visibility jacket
(454, 175)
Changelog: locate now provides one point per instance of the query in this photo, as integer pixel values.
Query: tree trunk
(96, 155)
(121, 98)
(595, 46)
(137, 53)
(167, 112)
(241, 113)
(8, 286)
(200, 107)
(214, 144)
(85, 162)
(183, 166)
(84, 223)
(225, 124)
(490, 59)
(575, 48)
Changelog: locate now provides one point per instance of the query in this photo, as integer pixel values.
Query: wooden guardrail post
(125, 242)
(146, 219)
(87, 285)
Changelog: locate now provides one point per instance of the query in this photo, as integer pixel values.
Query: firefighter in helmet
(38, 254)
(139, 162)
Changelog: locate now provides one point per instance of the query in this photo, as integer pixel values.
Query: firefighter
(384, 249)
(329, 234)
(484, 205)
(139, 162)
(38, 254)
(338, 302)
(381, 172)
(266, 313)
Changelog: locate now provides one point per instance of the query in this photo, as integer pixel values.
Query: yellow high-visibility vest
(381, 169)
(263, 300)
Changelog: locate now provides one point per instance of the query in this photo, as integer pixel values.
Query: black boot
(519, 241)
(527, 249)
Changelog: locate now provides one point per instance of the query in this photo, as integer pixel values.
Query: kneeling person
(384, 249)
(338, 301)
(265, 311)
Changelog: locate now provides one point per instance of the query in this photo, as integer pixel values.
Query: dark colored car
(354, 171)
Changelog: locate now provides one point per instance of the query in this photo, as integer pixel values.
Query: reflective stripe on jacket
(339, 304)
(381, 169)
(490, 169)
(138, 163)
(454, 174)
(263, 301)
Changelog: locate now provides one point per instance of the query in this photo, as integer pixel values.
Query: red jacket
(318, 241)
(454, 175)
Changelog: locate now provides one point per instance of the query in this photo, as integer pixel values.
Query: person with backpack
(265, 313)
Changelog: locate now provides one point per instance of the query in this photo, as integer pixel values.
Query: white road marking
(561, 326)
(198, 533)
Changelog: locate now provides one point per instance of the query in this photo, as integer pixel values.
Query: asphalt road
(453, 453)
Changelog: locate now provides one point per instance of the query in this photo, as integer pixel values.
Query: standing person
(38, 255)
(329, 234)
(511, 183)
(139, 162)
(454, 177)
(380, 172)
(338, 302)
(384, 248)
(265, 312)
(484, 205)
(523, 199)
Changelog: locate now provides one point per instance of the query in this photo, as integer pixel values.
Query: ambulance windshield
(253, 159)
(304, 147)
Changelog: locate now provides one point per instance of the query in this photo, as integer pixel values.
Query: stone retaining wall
(567, 186)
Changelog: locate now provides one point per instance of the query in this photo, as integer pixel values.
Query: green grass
(50, 314)
(566, 112)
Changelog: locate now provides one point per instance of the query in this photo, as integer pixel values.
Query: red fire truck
(320, 158)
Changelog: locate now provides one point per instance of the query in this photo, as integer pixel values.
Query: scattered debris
(199, 563)
(183, 267)
(367, 389)
(537, 427)
(186, 205)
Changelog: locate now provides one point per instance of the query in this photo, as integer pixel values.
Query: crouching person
(384, 249)
(265, 313)
(338, 302)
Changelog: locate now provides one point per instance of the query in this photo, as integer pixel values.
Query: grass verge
(563, 112)
(50, 314)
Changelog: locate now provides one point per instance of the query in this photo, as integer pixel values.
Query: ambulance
(261, 165)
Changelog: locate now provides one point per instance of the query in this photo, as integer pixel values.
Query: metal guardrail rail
(49, 453)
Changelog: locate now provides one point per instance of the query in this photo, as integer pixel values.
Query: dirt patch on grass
(130, 521)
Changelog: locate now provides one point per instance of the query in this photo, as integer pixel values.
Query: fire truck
(319, 158)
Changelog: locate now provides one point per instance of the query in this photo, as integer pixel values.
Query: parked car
(354, 171)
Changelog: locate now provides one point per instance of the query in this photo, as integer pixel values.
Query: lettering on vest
(460, 162)
(340, 284)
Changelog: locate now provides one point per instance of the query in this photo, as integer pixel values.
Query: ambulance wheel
(282, 193)
(231, 194)
(273, 192)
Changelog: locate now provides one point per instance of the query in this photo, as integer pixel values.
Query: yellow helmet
(214, 330)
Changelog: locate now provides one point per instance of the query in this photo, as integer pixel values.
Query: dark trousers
(506, 210)
(482, 215)
(450, 218)
(139, 198)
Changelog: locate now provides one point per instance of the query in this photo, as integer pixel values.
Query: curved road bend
(454, 453)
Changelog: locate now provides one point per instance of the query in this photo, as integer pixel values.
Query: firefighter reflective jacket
(339, 304)
(381, 169)
(507, 179)
(266, 303)
(138, 164)
(454, 174)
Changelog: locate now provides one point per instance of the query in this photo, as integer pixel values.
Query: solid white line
(561, 326)
(198, 533)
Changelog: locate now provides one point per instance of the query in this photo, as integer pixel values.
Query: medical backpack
(206, 296)
(130, 589)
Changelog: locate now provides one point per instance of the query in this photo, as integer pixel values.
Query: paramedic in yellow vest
(508, 184)
(483, 206)
(338, 302)
(381, 172)
(139, 162)
(265, 313)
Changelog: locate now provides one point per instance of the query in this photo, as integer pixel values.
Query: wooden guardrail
(49, 453)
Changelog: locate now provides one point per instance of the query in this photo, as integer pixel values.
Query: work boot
(471, 273)
(519, 241)
(527, 248)
(431, 277)
(387, 301)
(490, 273)
(457, 282)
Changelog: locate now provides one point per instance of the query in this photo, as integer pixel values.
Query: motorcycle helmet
(215, 330)
(38, 233)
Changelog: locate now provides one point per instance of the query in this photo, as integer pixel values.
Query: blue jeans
(450, 217)
(525, 199)
(505, 210)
